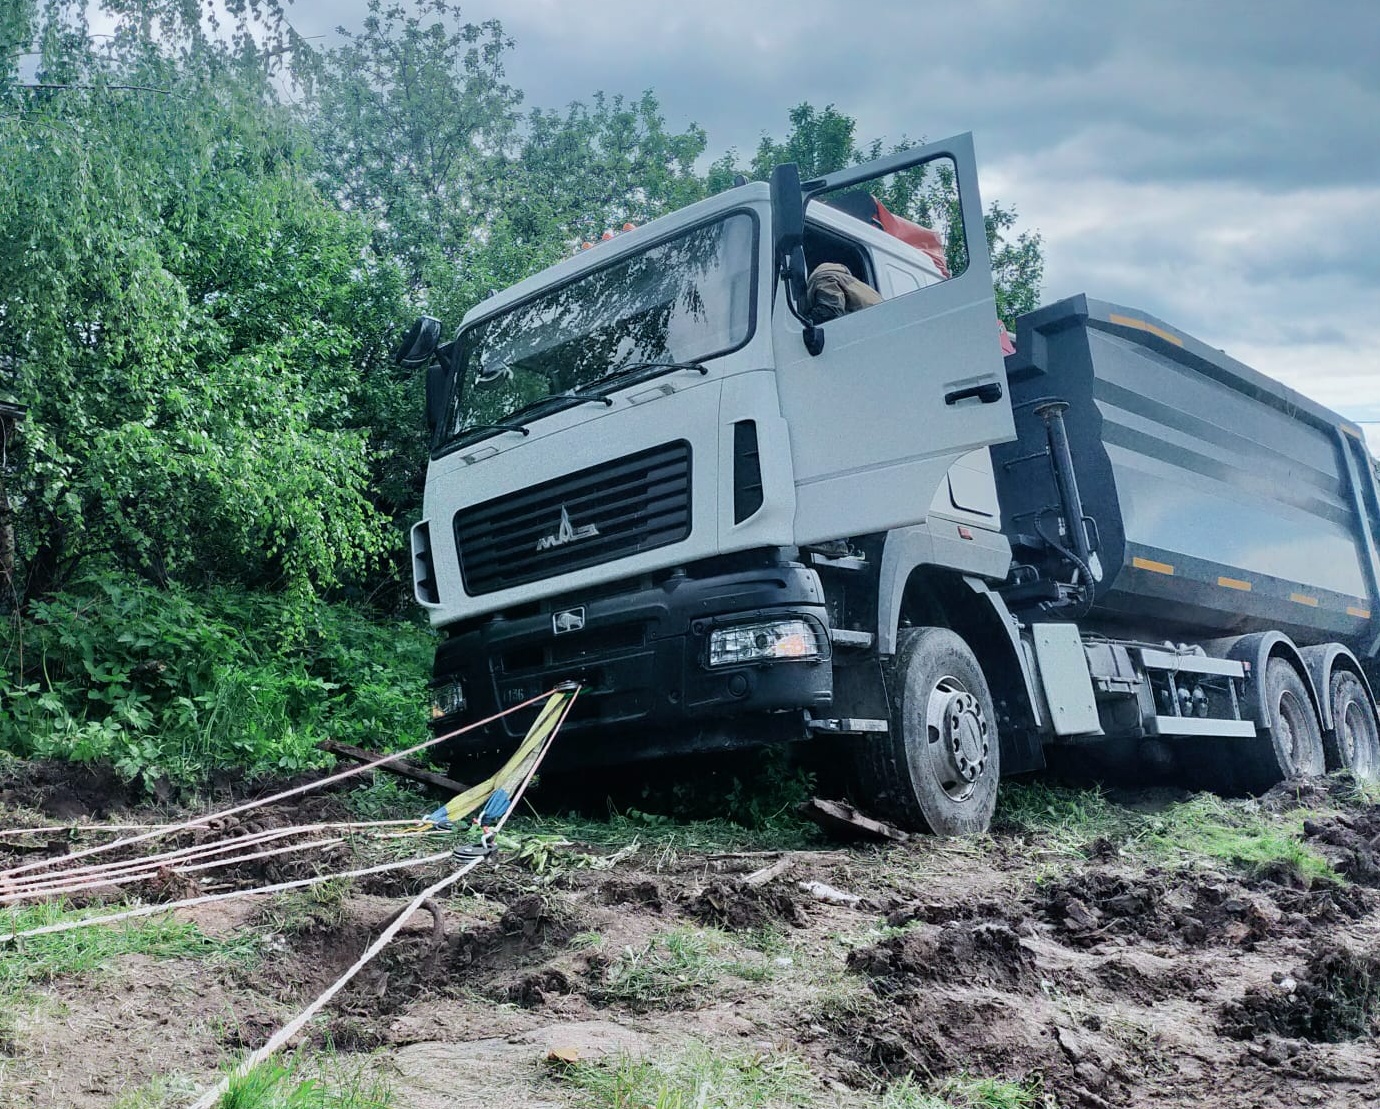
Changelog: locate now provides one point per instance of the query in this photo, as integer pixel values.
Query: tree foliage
(180, 313)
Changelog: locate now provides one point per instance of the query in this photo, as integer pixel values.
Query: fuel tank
(1219, 501)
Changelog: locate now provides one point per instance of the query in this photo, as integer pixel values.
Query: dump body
(1221, 501)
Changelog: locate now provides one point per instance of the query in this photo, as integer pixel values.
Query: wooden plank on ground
(841, 819)
(398, 766)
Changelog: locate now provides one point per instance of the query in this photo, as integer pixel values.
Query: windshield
(680, 301)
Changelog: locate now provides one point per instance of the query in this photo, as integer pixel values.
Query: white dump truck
(659, 470)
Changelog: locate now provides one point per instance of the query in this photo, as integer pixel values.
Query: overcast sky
(1215, 163)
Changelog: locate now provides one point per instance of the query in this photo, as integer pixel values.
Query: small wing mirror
(788, 228)
(418, 346)
(438, 382)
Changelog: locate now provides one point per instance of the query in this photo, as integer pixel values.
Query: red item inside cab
(922, 238)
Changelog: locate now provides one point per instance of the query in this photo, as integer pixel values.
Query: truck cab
(637, 459)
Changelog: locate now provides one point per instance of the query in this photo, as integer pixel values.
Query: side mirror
(788, 228)
(419, 344)
(788, 246)
(438, 375)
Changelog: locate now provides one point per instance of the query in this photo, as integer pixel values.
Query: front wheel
(938, 767)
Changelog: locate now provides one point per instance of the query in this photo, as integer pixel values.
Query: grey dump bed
(1223, 502)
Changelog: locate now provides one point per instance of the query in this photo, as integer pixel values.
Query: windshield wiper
(634, 368)
(496, 427)
(568, 399)
(556, 402)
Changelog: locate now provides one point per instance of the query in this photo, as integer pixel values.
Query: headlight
(448, 699)
(768, 641)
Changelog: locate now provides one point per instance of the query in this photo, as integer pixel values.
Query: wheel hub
(957, 722)
(1289, 730)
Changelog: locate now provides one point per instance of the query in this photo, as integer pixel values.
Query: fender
(1019, 652)
(905, 550)
(1256, 650)
(1321, 661)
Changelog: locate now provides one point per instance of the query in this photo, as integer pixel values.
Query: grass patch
(1066, 821)
(703, 1078)
(319, 908)
(585, 941)
(322, 1081)
(673, 965)
(336, 1085)
(40, 959)
(387, 798)
(698, 1078)
(1237, 834)
(164, 1092)
(967, 1092)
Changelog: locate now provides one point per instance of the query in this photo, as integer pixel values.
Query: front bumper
(642, 657)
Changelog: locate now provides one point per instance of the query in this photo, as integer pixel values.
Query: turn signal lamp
(447, 700)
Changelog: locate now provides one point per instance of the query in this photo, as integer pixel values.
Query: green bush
(172, 684)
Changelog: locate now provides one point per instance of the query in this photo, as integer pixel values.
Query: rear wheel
(1293, 746)
(1354, 742)
(938, 767)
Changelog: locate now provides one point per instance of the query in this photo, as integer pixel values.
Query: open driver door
(882, 401)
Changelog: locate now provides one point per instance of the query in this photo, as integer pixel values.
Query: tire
(1354, 742)
(937, 768)
(1293, 746)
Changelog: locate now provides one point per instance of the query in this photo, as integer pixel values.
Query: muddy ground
(1103, 978)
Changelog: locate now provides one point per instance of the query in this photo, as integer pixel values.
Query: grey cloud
(1215, 164)
(1148, 90)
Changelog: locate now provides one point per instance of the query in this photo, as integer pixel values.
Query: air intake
(747, 471)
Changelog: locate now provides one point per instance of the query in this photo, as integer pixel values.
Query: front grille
(632, 504)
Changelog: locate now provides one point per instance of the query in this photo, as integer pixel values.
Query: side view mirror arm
(793, 276)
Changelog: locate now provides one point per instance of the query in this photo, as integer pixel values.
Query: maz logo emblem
(566, 533)
(571, 620)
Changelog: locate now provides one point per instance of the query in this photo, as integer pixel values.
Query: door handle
(988, 393)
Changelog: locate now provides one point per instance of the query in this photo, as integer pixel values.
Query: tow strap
(496, 793)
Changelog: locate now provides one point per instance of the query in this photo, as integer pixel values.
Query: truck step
(849, 725)
(842, 637)
(838, 562)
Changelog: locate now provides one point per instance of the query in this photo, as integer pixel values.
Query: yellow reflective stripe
(1363, 613)
(1304, 599)
(1145, 325)
(1150, 564)
(1234, 583)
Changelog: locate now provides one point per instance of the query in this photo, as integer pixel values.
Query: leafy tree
(179, 311)
(413, 125)
(417, 129)
(600, 165)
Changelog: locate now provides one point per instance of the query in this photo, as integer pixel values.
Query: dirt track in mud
(1116, 983)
